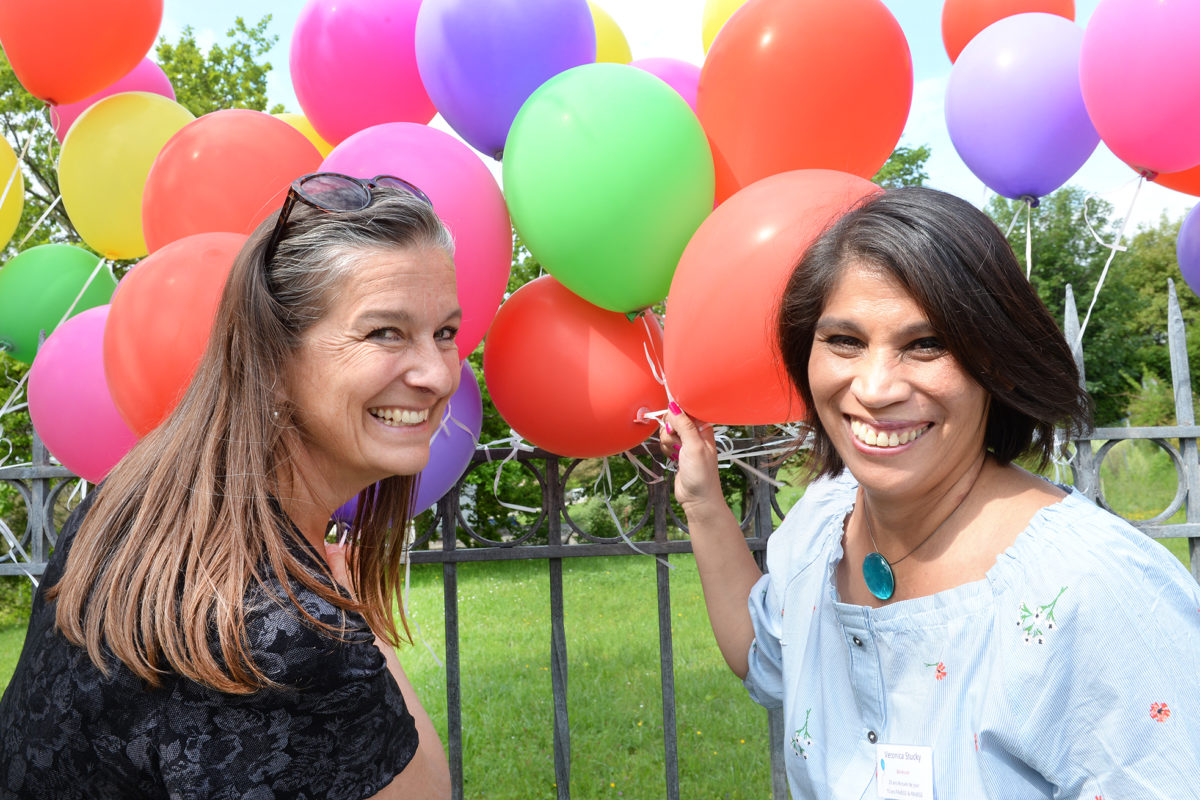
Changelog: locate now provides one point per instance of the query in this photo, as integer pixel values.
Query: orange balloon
(63, 51)
(1187, 181)
(962, 19)
(226, 171)
(804, 84)
(569, 376)
(159, 325)
(722, 362)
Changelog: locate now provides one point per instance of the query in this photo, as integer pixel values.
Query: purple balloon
(481, 59)
(1014, 108)
(1187, 249)
(681, 76)
(450, 449)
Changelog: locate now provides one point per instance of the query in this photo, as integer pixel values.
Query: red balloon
(160, 323)
(722, 362)
(1187, 181)
(226, 171)
(962, 19)
(65, 50)
(569, 376)
(804, 84)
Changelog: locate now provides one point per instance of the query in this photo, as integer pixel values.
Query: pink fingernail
(668, 427)
(675, 409)
(678, 447)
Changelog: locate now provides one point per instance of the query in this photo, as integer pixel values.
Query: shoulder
(306, 642)
(812, 524)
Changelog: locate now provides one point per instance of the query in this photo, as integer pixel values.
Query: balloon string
(99, 264)
(657, 371)
(1028, 240)
(38, 224)
(15, 550)
(12, 176)
(1012, 224)
(406, 557)
(1114, 248)
(517, 444)
(605, 492)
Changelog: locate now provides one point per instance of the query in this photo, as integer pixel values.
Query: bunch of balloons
(611, 167)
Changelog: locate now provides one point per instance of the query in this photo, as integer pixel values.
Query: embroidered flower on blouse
(1159, 712)
(801, 740)
(940, 672)
(1039, 620)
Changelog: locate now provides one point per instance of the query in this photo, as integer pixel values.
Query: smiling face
(372, 377)
(897, 406)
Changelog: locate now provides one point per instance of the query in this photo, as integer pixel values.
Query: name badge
(904, 772)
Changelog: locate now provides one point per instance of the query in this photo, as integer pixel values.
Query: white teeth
(869, 436)
(395, 417)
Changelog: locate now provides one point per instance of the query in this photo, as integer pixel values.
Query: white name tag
(904, 772)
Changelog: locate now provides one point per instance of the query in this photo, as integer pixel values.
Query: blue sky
(673, 28)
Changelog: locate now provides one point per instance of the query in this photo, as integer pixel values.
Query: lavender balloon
(450, 449)
(1014, 108)
(1187, 249)
(480, 59)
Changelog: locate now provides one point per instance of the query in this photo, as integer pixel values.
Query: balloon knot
(1148, 174)
(1030, 200)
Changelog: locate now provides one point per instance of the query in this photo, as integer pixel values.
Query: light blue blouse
(1072, 670)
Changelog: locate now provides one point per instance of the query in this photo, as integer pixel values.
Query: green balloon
(38, 286)
(607, 174)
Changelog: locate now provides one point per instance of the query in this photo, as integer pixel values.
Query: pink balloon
(354, 65)
(69, 401)
(681, 76)
(465, 196)
(145, 77)
(1140, 74)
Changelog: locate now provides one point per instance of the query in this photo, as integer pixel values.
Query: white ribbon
(1114, 248)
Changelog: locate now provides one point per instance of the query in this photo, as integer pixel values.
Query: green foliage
(904, 167)
(229, 76)
(1064, 253)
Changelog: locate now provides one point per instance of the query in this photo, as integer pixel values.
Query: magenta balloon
(681, 76)
(1187, 249)
(464, 194)
(1014, 108)
(1140, 72)
(354, 65)
(450, 449)
(145, 77)
(481, 59)
(69, 402)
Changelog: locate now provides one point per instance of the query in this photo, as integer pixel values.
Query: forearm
(727, 573)
(427, 776)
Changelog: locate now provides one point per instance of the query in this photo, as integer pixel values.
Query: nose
(435, 369)
(879, 380)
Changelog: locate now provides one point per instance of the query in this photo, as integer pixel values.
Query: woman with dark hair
(195, 637)
(935, 620)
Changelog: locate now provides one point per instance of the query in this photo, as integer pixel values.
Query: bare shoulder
(1015, 496)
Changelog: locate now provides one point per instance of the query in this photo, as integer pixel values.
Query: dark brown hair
(958, 267)
(184, 524)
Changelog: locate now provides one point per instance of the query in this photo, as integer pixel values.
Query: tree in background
(904, 167)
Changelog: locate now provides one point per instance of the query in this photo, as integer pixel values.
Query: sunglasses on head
(332, 191)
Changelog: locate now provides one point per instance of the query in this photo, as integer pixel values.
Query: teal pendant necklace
(876, 569)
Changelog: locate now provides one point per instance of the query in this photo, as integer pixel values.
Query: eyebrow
(912, 330)
(391, 316)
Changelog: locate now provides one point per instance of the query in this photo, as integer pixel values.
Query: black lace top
(340, 729)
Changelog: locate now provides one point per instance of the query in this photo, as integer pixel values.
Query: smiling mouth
(400, 417)
(877, 438)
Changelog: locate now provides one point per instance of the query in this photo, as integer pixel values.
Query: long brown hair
(187, 523)
(958, 267)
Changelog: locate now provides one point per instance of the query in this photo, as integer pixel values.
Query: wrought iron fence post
(1086, 476)
(1181, 382)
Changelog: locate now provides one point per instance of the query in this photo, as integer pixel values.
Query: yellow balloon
(716, 14)
(12, 188)
(301, 123)
(611, 44)
(105, 159)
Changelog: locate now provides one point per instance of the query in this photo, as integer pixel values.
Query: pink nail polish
(667, 425)
(675, 409)
(677, 448)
